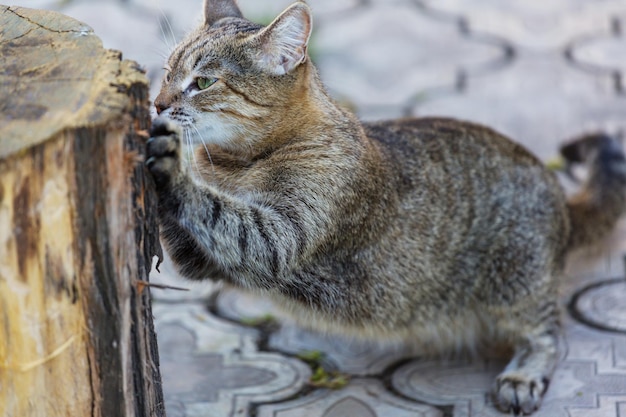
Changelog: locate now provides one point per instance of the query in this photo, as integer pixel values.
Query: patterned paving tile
(264, 12)
(544, 25)
(354, 357)
(123, 29)
(360, 398)
(347, 355)
(212, 369)
(601, 305)
(385, 55)
(539, 100)
(603, 51)
(576, 385)
(590, 380)
(39, 4)
(174, 18)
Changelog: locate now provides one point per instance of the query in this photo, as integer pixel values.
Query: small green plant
(260, 321)
(556, 164)
(320, 376)
(312, 357)
(332, 380)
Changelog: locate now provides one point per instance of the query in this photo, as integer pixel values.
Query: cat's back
(440, 140)
(463, 184)
(460, 154)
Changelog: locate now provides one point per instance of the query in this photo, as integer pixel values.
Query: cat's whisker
(165, 41)
(206, 148)
(168, 38)
(171, 31)
(190, 149)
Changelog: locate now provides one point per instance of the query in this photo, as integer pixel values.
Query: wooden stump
(77, 232)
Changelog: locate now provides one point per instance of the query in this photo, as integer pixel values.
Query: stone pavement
(538, 71)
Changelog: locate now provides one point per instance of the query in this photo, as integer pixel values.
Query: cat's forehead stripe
(189, 51)
(235, 26)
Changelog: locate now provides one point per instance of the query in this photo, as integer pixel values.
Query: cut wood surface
(77, 231)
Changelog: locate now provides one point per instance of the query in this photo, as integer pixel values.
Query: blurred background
(537, 71)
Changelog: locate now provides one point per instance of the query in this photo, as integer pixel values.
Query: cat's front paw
(518, 393)
(163, 152)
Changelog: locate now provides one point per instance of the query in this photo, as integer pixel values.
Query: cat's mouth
(209, 127)
(176, 116)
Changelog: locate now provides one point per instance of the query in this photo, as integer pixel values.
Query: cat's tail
(595, 210)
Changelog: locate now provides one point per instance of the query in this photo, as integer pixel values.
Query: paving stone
(331, 9)
(386, 54)
(602, 305)
(37, 4)
(459, 384)
(210, 334)
(603, 50)
(545, 25)
(212, 368)
(599, 359)
(347, 355)
(539, 101)
(265, 11)
(360, 398)
(605, 349)
(122, 30)
(176, 19)
(576, 385)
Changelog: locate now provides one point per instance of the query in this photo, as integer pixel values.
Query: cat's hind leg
(523, 383)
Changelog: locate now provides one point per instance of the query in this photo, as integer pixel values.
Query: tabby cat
(430, 230)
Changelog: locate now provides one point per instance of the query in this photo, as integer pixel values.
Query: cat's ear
(215, 10)
(284, 42)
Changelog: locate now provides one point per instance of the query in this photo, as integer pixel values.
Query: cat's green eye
(204, 83)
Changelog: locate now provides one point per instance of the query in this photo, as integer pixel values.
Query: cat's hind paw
(163, 151)
(518, 393)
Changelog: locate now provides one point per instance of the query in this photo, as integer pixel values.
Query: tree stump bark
(77, 225)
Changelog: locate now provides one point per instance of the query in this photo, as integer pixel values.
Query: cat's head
(232, 81)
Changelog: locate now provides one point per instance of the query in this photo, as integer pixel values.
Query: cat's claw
(516, 393)
(163, 152)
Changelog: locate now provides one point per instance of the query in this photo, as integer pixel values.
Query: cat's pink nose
(160, 106)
